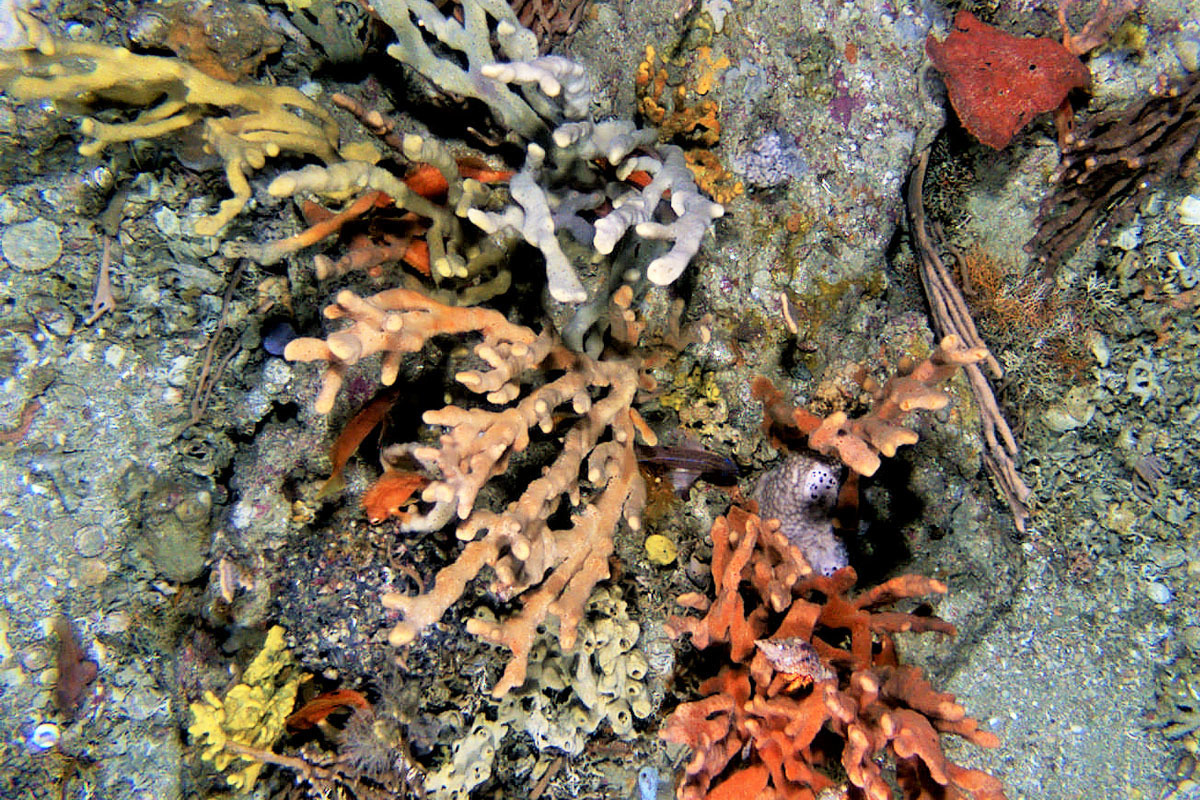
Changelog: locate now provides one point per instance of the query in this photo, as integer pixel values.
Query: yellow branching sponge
(243, 125)
(252, 714)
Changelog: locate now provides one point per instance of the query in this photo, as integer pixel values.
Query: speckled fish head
(801, 493)
(820, 481)
(811, 486)
(795, 657)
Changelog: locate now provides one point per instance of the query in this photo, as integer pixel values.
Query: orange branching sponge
(824, 686)
(999, 82)
(552, 569)
(1097, 29)
(861, 441)
(776, 569)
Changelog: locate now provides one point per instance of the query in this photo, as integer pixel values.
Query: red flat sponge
(999, 82)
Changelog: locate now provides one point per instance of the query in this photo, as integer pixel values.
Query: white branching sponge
(555, 76)
(533, 219)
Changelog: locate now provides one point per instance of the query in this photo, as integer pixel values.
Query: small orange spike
(417, 256)
(482, 172)
(639, 178)
(427, 181)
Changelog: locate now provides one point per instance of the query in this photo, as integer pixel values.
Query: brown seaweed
(75, 671)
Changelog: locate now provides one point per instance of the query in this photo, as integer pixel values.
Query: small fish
(388, 495)
(353, 435)
(316, 710)
(276, 335)
(685, 464)
(796, 660)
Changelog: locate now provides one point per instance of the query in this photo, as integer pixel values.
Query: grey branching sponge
(801, 493)
(555, 185)
(412, 20)
(534, 220)
(547, 200)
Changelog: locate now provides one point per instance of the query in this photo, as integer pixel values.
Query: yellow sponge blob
(661, 550)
